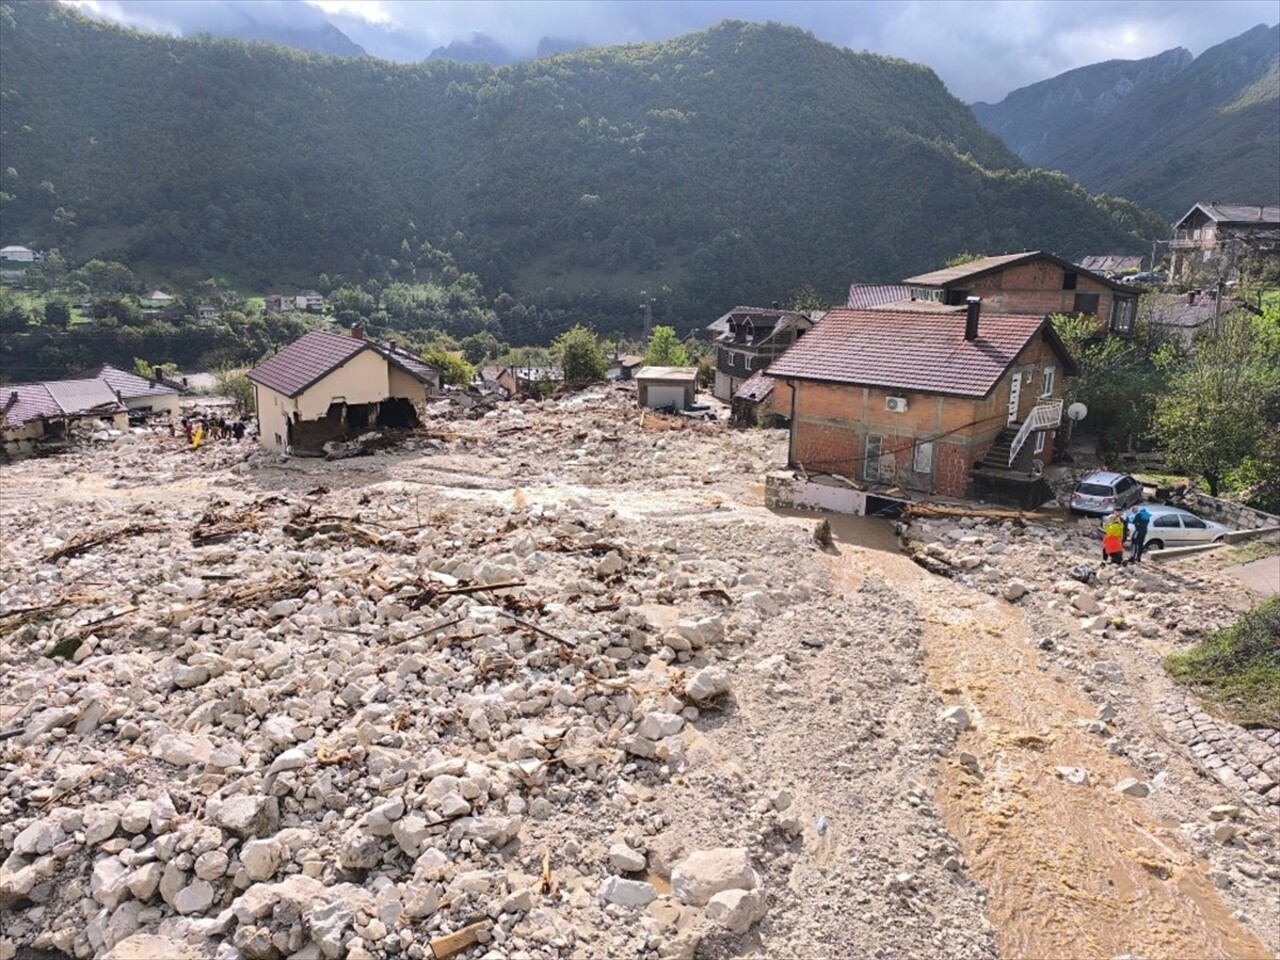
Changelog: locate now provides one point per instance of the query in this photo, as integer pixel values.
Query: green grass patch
(1237, 670)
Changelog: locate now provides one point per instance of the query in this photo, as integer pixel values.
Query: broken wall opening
(342, 421)
(398, 413)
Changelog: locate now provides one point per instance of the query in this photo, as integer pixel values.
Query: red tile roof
(906, 350)
(305, 361)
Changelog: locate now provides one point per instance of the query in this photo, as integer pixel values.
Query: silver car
(1101, 493)
(1175, 527)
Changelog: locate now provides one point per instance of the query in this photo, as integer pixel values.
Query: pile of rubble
(399, 707)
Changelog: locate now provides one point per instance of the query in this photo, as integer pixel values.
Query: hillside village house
(1034, 283)
(1112, 265)
(926, 400)
(18, 254)
(327, 386)
(1212, 238)
(156, 300)
(309, 301)
(748, 339)
(1182, 316)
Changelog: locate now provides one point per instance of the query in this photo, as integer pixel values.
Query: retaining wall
(1234, 515)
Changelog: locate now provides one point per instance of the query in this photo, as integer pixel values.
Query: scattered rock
(705, 873)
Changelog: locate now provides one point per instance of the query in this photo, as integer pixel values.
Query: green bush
(1238, 668)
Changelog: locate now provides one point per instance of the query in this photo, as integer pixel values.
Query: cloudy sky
(981, 50)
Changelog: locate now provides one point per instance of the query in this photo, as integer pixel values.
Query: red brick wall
(951, 468)
(1036, 288)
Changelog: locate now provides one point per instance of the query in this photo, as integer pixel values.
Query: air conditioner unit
(895, 404)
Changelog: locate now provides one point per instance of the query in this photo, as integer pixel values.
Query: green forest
(740, 164)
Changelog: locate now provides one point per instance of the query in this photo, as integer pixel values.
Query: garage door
(661, 396)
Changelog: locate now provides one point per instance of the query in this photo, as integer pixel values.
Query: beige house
(326, 386)
(152, 396)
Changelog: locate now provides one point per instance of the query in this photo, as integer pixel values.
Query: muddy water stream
(1069, 871)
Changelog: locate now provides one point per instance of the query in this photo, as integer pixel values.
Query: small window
(1207, 256)
(871, 464)
(1046, 388)
(1122, 312)
(279, 442)
(1193, 523)
(1040, 441)
(1166, 520)
(1069, 280)
(924, 457)
(1086, 303)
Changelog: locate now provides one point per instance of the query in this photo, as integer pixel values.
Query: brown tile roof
(863, 295)
(1112, 263)
(757, 388)
(1173, 310)
(1238, 212)
(131, 386)
(21, 403)
(913, 350)
(305, 361)
(976, 268)
(410, 363)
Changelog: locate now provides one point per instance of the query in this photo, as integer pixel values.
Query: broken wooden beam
(446, 946)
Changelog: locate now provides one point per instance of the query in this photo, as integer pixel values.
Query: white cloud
(370, 11)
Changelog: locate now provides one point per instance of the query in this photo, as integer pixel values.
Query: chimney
(974, 306)
(777, 305)
(357, 332)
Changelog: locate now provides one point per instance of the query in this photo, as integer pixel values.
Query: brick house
(925, 399)
(1034, 283)
(748, 339)
(1212, 238)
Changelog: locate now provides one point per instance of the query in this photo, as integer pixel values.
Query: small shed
(659, 387)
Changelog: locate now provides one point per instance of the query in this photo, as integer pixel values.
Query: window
(924, 457)
(1193, 523)
(1086, 303)
(1046, 383)
(1069, 280)
(871, 463)
(1122, 313)
(1125, 483)
(1207, 256)
(1040, 441)
(1166, 520)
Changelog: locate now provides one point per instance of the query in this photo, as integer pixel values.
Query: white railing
(1043, 416)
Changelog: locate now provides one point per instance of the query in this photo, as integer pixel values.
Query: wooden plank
(446, 946)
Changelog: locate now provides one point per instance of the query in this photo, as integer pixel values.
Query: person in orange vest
(1113, 539)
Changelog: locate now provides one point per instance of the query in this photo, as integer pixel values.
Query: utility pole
(647, 307)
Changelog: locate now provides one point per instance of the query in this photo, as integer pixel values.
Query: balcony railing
(1043, 416)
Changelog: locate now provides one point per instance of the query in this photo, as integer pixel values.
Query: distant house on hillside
(748, 339)
(18, 254)
(1212, 239)
(1033, 283)
(327, 386)
(309, 301)
(1112, 265)
(624, 366)
(934, 401)
(206, 313)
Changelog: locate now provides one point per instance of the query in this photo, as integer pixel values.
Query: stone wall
(1235, 515)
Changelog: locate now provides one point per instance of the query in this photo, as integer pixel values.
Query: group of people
(1119, 527)
(199, 429)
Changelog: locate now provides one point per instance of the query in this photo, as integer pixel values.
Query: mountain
(478, 48)
(1035, 121)
(323, 38)
(735, 165)
(1207, 131)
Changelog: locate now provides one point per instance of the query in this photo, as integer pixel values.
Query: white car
(1175, 527)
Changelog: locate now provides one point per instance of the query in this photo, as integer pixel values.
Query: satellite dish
(1077, 411)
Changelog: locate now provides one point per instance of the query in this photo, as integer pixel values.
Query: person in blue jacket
(1139, 520)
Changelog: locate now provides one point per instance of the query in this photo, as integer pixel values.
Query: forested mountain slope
(729, 166)
(1035, 121)
(1209, 132)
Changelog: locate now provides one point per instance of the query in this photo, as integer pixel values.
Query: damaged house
(937, 402)
(35, 412)
(328, 386)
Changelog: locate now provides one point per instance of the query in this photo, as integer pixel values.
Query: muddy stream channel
(1069, 871)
